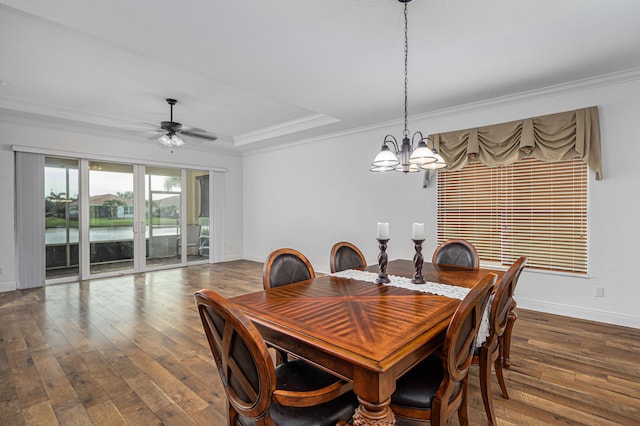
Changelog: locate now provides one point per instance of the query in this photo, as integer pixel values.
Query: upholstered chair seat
(298, 376)
(258, 393)
(419, 387)
(437, 386)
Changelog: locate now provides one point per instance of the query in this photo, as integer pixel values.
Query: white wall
(123, 147)
(310, 196)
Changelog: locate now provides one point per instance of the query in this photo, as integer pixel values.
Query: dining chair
(489, 352)
(505, 341)
(258, 393)
(286, 266)
(456, 252)
(437, 386)
(345, 256)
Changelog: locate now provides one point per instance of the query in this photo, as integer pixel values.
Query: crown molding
(224, 144)
(304, 123)
(42, 120)
(575, 86)
(317, 120)
(44, 112)
(585, 84)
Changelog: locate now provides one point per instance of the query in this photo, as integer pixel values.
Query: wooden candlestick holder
(382, 262)
(417, 261)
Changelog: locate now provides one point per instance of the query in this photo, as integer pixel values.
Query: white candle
(383, 230)
(418, 231)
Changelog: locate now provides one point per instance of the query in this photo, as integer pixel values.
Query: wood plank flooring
(131, 350)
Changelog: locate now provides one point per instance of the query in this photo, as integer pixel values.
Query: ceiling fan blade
(170, 128)
(156, 131)
(192, 129)
(199, 135)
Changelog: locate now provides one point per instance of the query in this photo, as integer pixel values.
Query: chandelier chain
(406, 66)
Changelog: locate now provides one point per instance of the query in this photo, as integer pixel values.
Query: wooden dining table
(366, 333)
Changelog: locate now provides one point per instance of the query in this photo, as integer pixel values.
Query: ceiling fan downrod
(171, 126)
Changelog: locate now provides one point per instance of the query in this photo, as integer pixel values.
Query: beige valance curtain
(554, 137)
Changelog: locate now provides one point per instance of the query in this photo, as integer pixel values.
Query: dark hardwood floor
(131, 350)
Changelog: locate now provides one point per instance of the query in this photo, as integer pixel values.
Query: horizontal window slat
(530, 208)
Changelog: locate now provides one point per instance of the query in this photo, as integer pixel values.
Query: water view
(114, 233)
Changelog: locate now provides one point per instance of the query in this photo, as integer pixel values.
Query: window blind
(529, 208)
(30, 248)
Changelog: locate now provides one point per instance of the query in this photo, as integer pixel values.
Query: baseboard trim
(254, 258)
(233, 257)
(582, 313)
(8, 287)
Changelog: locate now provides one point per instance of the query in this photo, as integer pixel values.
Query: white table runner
(446, 290)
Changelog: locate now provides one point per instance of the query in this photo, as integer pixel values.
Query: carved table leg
(373, 414)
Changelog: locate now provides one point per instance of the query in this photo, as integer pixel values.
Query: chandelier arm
(391, 139)
(422, 138)
(433, 144)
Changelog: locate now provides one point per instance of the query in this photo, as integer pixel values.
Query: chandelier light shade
(438, 164)
(404, 158)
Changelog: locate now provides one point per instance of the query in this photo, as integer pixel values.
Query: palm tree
(171, 182)
(56, 204)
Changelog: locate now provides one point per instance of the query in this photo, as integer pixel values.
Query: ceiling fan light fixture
(165, 140)
(176, 141)
(173, 129)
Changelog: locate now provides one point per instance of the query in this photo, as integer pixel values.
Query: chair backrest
(286, 266)
(503, 298)
(345, 256)
(193, 234)
(241, 355)
(457, 252)
(458, 348)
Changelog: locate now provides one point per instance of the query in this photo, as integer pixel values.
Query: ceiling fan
(172, 131)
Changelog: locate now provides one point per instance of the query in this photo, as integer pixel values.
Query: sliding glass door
(127, 218)
(176, 208)
(111, 210)
(163, 218)
(197, 215)
(61, 218)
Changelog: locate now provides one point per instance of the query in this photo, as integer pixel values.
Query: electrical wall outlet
(598, 291)
(1, 270)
